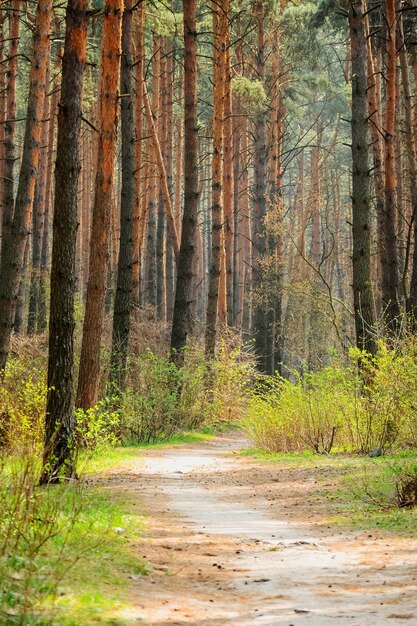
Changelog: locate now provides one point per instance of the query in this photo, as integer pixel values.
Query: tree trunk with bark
(221, 19)
(121, 317)
(89, 373)
(59, 452)
(38, 221)
(184, 293)
(13, 246)
(260, 316)
(389, 258)
(361, 218)
(53, 113)
(10, 126)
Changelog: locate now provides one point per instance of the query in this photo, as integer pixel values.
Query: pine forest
(208, 312)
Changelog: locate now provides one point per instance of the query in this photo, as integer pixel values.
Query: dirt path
(232, 541)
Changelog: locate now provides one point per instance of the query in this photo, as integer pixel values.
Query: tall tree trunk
(361, 219)
(184, 293)
(19, 314)
(228, 180)
(84, 213)
(389, 260)
(163, 176)
(277, 113)
(121, 317)
(160, 230)
(53, 112)
(169, 254)
(89, 373)
(375, 124)
(139, 187)
(59, 458)
(38, 219)
(260, 317)
(13, 247)
(152, 210)
(3, 14)
(10, 126)
(411, 140)
(221, 18)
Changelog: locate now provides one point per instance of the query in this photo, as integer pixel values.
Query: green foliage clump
(45, 532)
(164, 21)
(251, 94)
(22, 407)
(98, 426)
(163, 400)
(283, 416)
(368, 402)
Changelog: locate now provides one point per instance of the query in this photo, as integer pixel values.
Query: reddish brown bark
(169, 153)
(10, 126)
(13, 247)
(89, 373)
(215, 305)
(228, 180)
(389, 254)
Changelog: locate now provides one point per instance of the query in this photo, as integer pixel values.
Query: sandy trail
(232, 541)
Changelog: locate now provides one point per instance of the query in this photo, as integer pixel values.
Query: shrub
(35, 531)
(22, 408)
(385, 399)
(368, 402)
(162, 399)
(148, 408)
(284, 417)
(98, 426)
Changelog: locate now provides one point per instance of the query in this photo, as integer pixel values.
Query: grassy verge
(106, 536)
(97, 590)
(74, 548)
(69, 554)
(356, 492)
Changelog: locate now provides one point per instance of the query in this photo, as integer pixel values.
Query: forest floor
(234, 540)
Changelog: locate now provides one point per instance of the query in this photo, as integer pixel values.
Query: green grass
(102, 557)
(97, 589)
(90, 563)
(358, 492)
(81, 574)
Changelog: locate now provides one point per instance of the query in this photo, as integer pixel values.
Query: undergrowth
(367, 403)
(58, 544)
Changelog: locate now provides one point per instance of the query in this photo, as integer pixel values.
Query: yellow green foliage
(368, 402)
(251, 93)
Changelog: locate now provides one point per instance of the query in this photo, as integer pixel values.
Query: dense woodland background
(264, 163)
(208, 219)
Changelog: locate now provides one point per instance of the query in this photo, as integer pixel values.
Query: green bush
(368, 402)
(22, 408)
(148, 407)
(98, 426)
(286, 417)
(35, 537)
(162, 399)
